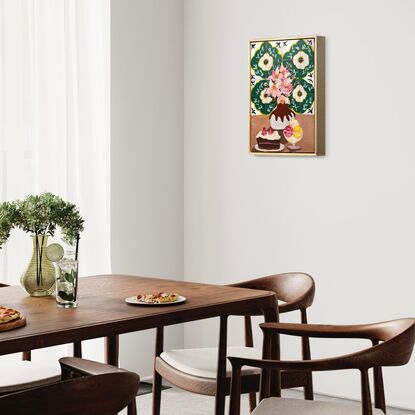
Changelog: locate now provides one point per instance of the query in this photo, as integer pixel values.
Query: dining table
(103, 312)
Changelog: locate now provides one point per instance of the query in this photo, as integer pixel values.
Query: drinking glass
(66, 271)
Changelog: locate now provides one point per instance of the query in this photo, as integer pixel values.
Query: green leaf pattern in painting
(260, 63)
(299, 103)
(257, 97)
(299, 59)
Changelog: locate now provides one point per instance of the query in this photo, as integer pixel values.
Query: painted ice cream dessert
(268, 139)
(293, 133)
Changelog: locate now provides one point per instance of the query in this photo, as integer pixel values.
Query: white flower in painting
(266, 62)
(301, 60)
(264, 97)
(299, 93)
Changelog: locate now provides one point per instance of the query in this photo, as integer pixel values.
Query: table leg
(77, 349)
(221, 372)
(112, 350)
(157, 380)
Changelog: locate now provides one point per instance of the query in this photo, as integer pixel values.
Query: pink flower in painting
(275, 76)
(286, 88)
(285, 73)
(280, 84)
(274, 89)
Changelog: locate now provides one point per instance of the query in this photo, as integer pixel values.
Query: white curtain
(54, 124)
(54, 118)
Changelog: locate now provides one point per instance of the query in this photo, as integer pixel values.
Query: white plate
(133, 300)
(282, 146)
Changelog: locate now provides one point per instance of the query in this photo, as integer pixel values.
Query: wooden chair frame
(297, 290)
(392, 345)
(87, 388)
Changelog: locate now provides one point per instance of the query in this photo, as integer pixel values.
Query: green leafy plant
(40, 215)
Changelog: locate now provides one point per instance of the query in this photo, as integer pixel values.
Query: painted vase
(281, 116)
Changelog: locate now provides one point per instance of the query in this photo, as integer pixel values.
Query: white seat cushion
(285, 406)
(19, 375)
(203, 362)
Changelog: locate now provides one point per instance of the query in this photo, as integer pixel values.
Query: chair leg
(305, 343)
(249, 342)
(308, 388)
(156, 376)
(378, 386)
(271, 379)
(221, 369)
(252, 401)
(66, 374)
(379, 390)
(156, 393)
(366, 400)
(132, 408)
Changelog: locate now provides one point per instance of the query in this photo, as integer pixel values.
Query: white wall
(346, 218)
(147, 152)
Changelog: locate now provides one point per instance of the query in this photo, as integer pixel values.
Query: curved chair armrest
(85, 367)
(358, 360)
(362, 331)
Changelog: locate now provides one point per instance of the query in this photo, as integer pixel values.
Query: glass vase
(39, 278)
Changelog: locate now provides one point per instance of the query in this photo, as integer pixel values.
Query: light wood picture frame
(286, 94)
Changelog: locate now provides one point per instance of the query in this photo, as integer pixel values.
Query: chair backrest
(397, 339)
(296, 289)
(105, 394)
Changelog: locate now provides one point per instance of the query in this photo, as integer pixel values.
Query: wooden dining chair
(19, 375)
(392, 345)
(86, 388)
(195, 370)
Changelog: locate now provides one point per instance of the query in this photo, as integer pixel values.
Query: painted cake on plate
(268, 139)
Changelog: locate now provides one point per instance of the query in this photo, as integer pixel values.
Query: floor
(178, 402)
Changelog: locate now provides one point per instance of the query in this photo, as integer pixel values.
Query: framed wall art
(287, 96)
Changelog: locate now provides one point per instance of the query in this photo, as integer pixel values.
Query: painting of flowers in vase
(286, 96)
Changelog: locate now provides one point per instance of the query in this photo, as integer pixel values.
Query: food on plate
(268, 139)
(158, 298)
(8, 314)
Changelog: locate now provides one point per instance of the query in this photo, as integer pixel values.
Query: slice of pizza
(8, 314)
(158, 298)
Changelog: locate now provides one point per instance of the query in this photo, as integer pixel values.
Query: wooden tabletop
(103, 312)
